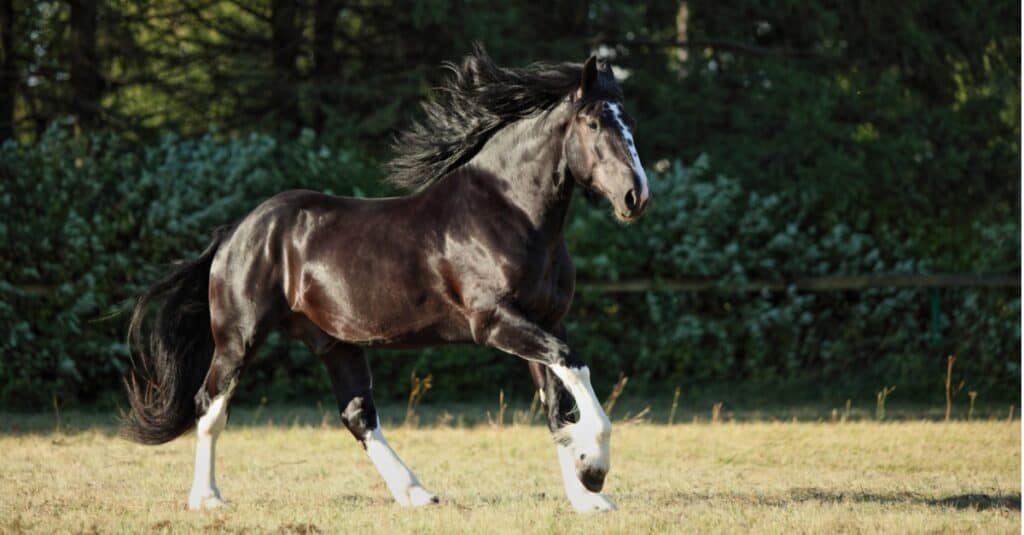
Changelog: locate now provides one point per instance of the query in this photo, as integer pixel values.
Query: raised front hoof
(205, 502)
(593, 503)
(419, 497)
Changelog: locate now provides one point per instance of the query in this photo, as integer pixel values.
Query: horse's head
(599, 147)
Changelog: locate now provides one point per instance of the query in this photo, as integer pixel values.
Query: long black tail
(171, 353)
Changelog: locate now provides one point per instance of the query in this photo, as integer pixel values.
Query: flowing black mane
(477, 100)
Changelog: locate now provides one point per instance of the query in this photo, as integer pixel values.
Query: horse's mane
(478, 99)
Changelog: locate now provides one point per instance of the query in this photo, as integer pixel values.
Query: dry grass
(860, 477)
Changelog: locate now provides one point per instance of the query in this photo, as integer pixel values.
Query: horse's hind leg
(212, 407)
(204, 493)
(353, 388)
(235, 340)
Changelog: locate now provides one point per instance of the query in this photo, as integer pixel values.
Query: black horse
(477, 254)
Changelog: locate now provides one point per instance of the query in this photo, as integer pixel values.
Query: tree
(8, 70)
(85, 64)
(326, 64)
(284, 42)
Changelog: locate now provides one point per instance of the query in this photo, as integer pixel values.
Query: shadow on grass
(978, 502)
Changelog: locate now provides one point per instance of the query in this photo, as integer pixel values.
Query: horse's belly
(373, 314)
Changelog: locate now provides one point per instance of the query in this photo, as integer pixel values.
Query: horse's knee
(360, 416)
(212, 399)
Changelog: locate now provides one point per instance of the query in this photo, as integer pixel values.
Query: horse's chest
(547, 295)
(548, 308)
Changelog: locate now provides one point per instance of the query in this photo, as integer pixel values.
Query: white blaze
(627, 136)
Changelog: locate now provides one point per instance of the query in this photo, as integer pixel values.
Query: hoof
(593, 503)
(205, 502)
(419, 496)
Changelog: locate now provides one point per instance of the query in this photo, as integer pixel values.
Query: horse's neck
(526, 158)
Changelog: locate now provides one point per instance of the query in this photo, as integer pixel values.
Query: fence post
(935, 316)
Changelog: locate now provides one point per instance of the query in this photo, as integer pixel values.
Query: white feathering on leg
(589, 436)
(402, 483)
(582, 500)
(593, 425)
(205, 494)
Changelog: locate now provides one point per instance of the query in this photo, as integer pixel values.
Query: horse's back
(295, 227)
(354, 267)
(304, 199)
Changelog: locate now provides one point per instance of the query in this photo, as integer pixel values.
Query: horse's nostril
(583, 456)
(631, 199)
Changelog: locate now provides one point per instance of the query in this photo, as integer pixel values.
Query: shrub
(97, 218)
(705, 224)
(92, 219)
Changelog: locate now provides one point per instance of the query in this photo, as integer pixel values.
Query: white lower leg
(592, 416)
(587, 440)
(591, 433)
(402, 483)
(204, 494)
(582, 500)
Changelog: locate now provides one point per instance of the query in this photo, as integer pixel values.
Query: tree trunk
(285, 46)
(8, 70)
(326, 66)
(682, 31)
(85, 73)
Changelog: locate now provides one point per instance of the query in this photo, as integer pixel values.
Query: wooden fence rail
(828, 283)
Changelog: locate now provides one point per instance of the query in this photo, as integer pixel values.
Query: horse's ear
(588, 79)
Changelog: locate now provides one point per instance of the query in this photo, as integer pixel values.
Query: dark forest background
(785, 139)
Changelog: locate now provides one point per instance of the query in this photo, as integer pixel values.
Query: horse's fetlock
(203, 401)
(360, 416)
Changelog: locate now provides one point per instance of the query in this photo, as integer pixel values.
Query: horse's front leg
(583, 445)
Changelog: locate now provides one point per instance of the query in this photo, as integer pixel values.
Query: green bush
(92, 219)
(96, 219)
(702, 224)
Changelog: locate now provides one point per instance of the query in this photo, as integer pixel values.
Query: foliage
(848, 138)
(352, 69)
(880, 116)
(108, 215)
(705, 224)
(104, 218)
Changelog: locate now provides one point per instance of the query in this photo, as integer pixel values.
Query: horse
(475, 253)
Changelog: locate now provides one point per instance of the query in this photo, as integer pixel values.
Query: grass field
(286, 473)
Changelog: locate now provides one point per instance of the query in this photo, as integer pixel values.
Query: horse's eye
(592, 125)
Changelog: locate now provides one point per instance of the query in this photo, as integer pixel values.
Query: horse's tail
(170, 354)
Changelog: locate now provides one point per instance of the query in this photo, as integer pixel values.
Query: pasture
(297, 471)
